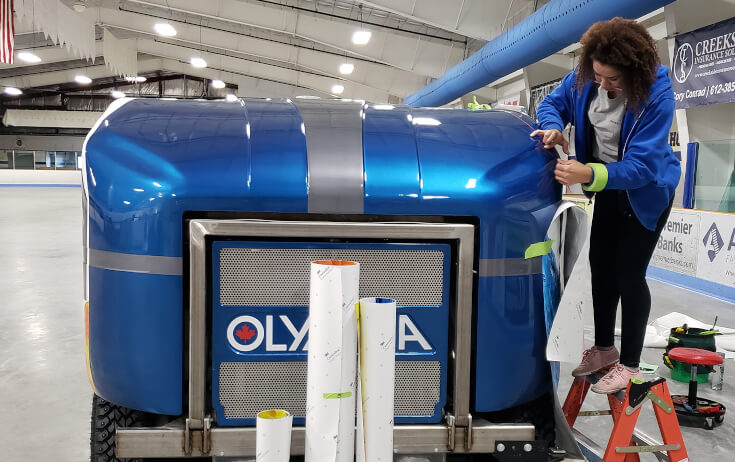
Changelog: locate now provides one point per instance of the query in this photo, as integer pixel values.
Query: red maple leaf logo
(245, 333)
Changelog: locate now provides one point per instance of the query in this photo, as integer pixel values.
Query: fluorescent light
(384, 107)
(361, 37)
(83, 79)
(306, 97)
(346, 68)
(231, 98)
(429, 121)
(117, 94)
(13, 91)
(28, 57)
(165, 29)
(198, 62)
(136, 79)
(337, 89)
(218, 83)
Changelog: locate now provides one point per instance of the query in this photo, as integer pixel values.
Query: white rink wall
(40, 177)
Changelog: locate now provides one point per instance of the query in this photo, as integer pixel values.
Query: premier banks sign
(703, 71)
(699, 244)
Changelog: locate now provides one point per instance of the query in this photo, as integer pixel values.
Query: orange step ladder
(625, 413)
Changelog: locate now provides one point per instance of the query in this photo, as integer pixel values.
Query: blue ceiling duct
(558, 24)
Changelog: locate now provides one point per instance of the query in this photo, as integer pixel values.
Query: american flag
(7, 30)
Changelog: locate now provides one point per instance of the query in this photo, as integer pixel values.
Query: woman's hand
(551, 138)
(569, 172)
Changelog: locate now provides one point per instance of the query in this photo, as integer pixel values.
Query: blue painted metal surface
(136, 331)
(148, 163)
(481, 164)
(557, 24)
(151, 161)
(431, 322)
(690, 175)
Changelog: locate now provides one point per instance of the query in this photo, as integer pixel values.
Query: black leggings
(620, 249)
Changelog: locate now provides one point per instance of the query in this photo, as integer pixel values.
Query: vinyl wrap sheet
(332, 362)
(273, 436)
(376, 384)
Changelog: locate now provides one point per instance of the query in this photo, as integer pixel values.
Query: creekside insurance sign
(703, 71)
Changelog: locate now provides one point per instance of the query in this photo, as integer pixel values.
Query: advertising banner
(703, 70)
(678, 244)
(716, 255)
(699, 244)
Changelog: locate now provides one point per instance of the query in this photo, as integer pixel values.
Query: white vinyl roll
(376, 384)
(566, 338)
(273, 436)
(332, 362)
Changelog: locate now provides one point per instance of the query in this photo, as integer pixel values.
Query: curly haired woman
(620, 101)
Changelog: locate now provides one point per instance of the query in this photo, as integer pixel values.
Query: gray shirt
(606, 117)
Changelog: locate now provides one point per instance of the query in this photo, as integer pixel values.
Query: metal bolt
(527, 447)
(500, 447)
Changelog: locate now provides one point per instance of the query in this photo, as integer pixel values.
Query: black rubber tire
(106, 418)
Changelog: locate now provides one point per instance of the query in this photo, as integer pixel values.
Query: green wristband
(599, 178)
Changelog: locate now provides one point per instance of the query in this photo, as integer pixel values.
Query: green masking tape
(345, 394)
(539, 248)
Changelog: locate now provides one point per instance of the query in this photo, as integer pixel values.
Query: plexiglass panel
(714, 184)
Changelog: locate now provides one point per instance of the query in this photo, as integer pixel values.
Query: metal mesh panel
(417, 387)
(247, 388)
(280, 277)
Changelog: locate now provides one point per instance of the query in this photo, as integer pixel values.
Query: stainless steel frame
(195, 437)
(238, 442)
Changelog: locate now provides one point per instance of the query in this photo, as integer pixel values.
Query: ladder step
(654, 448)
(594, 413)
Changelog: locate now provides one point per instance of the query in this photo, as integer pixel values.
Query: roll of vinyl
(273, 436)
(376, 384)
(332, 362)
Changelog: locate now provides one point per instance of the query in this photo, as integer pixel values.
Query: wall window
(24, 160)
(6, 159)
(39, 160)
(66, 160)
(714, 182)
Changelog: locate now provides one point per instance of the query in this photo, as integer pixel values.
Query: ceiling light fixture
(361, 37)
(346, 68)
(83, 79)
(198, 62)
(28, 57)
(338, 89)
(13, 91)
(165, 29)
(117, 94)
(218, 83)
(231, 98)
(80, 5)
(136, 79)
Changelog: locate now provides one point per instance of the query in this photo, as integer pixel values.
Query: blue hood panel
(149, 162)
